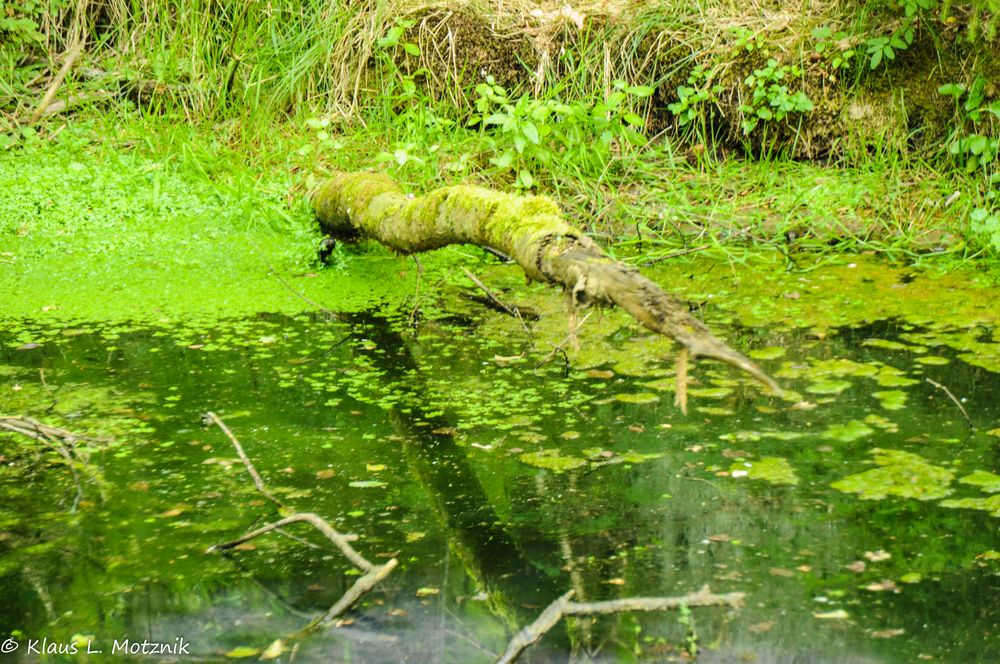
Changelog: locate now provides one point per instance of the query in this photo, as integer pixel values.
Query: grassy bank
(662, 128)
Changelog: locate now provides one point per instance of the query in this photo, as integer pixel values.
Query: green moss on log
(531, 230)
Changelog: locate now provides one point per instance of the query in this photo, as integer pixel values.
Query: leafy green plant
(694, 101)
(975, 144)
(771, 100)
(837, 47)
(691, 637)
(529, 134)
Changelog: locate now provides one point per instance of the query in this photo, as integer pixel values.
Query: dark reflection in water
(362, 433)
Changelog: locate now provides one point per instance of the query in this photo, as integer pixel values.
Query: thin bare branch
(564, 607)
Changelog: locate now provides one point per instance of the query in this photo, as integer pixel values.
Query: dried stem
(564, 607)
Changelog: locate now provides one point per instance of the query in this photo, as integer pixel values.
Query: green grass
(258, 102)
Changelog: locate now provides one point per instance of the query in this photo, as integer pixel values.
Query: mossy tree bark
(528, 228)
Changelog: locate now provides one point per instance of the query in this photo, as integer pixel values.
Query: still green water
(859, 514)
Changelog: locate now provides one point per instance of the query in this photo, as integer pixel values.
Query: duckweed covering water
(499, 473)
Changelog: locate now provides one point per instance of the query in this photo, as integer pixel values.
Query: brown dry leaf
(780, 571)
(246, 546)
(325, 474)
(805, 569)
(761, 627)
(316, 587)
(177, 511)
(888, 633)
(600, 373)
(735, 454)
(139, 486)
(616, 582)
(721, 537)
(398, 613)
(858, 566)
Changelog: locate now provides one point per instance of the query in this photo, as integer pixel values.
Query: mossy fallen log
(531, 230)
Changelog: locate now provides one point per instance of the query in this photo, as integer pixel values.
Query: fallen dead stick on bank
(373, 573)
(50, 94)
(532, 231)
(564, 607)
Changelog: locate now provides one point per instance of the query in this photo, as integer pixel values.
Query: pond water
(858, 514)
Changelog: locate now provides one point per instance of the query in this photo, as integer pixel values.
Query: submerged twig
(257, 480)
(373, 573)
(954, 399)
(498, 304)
(564, 607)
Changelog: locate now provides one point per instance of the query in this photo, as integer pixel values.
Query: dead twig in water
(564, 607)
(257, 479)
(61, 441)
(496, 303)
(955, 400)
(373, 573)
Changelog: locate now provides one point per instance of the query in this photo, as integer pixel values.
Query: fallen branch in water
(532, 231)
(373, 573)
(61, 441)
(564, 607)
(955, 400)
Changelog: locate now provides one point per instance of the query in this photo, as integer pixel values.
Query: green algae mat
(499, 464)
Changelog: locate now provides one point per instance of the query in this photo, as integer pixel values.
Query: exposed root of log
(531, 230)
(373, 573)
(564, 607)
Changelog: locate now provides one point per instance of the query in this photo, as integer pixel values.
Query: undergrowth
(663, 127)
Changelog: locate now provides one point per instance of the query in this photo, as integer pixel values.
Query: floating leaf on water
(858, 566)
(415, 536)
(603, 374)
(427, 591)
(882, 423)
(710, 392)
(640, 397)
(367, 484)
(715, 411)
(888, 633)
(988, 482)
(828, 386)
(994, 432)
(902, 474)
(775, 470)
(991, 504)
(325, 474)
(891, 399)
(934, 360)
(551, 460)
(848, 432)
(769, 353)
(243, 652)
(878, 556)
(885, 585)
(275, 650)
(885, 343)
(839, 614)
(889, 376)
(637, 457)
(375, 467)
(911, 577)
